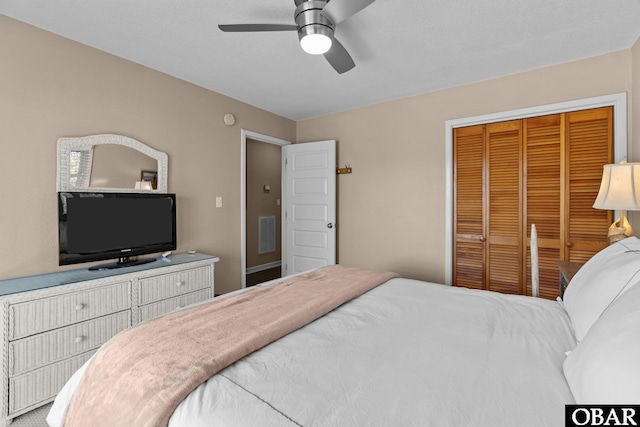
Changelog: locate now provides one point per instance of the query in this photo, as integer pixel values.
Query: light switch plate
(218, 202)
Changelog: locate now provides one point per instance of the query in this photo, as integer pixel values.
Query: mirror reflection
(110, 163)
(111, 166)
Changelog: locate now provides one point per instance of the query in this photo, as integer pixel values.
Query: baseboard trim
(263, 267)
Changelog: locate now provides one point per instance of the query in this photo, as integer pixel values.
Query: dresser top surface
(41, 281)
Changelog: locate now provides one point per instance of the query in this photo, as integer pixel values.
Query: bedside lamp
(143, 185)
(619, 190)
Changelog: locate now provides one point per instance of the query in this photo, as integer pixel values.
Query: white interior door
(309, 201)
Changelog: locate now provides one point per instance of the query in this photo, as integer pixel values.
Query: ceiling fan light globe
(316, 44)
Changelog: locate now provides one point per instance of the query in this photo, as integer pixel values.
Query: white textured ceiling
(401, 48)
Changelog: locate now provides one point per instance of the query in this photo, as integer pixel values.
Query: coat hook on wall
(345, 169)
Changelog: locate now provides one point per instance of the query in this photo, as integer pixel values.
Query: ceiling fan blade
(339, 58)
(241, 28)
(339, 10)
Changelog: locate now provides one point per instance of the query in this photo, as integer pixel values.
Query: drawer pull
(79, 339)
(178, 284)
(79, 307)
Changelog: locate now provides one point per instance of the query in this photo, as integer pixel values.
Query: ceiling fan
(315, 22)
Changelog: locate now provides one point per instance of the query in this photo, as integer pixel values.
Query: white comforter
(407, 353)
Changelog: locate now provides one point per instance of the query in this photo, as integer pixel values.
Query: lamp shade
(143, 185)
(620, 188)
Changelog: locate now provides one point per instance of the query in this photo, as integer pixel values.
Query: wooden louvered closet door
(502, 208)
(468, 153)
(509, 175)
(589, 146)
(544, 170)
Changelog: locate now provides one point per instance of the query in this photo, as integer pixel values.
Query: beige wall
(52, 87)
(635, 101)
(634, 114)
(392, 207)
(263, 168)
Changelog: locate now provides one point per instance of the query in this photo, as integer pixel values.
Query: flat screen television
(102, 226)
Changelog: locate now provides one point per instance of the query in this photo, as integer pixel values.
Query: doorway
(261, 208)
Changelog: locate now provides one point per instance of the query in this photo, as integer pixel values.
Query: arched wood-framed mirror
(110, 163)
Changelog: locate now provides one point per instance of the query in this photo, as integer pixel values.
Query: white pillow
(601, 280)
(604, 368)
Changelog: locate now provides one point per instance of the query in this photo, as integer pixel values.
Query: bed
(413, 353)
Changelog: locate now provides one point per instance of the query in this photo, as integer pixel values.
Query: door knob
(329, 225)
(569, 244)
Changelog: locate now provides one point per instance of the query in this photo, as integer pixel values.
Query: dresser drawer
(158, 288)
(32, 317)
(159, 308)
(43, 349)
(37, 386)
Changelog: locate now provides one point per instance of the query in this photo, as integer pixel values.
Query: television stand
(122, 263)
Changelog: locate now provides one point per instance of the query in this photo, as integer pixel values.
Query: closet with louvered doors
(509, 175)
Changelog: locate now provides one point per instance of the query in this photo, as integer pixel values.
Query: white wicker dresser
(53, 323)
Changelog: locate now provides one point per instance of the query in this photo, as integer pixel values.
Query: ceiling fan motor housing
(310, 21)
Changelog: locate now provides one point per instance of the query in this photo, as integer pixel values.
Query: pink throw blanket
(142, 374)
